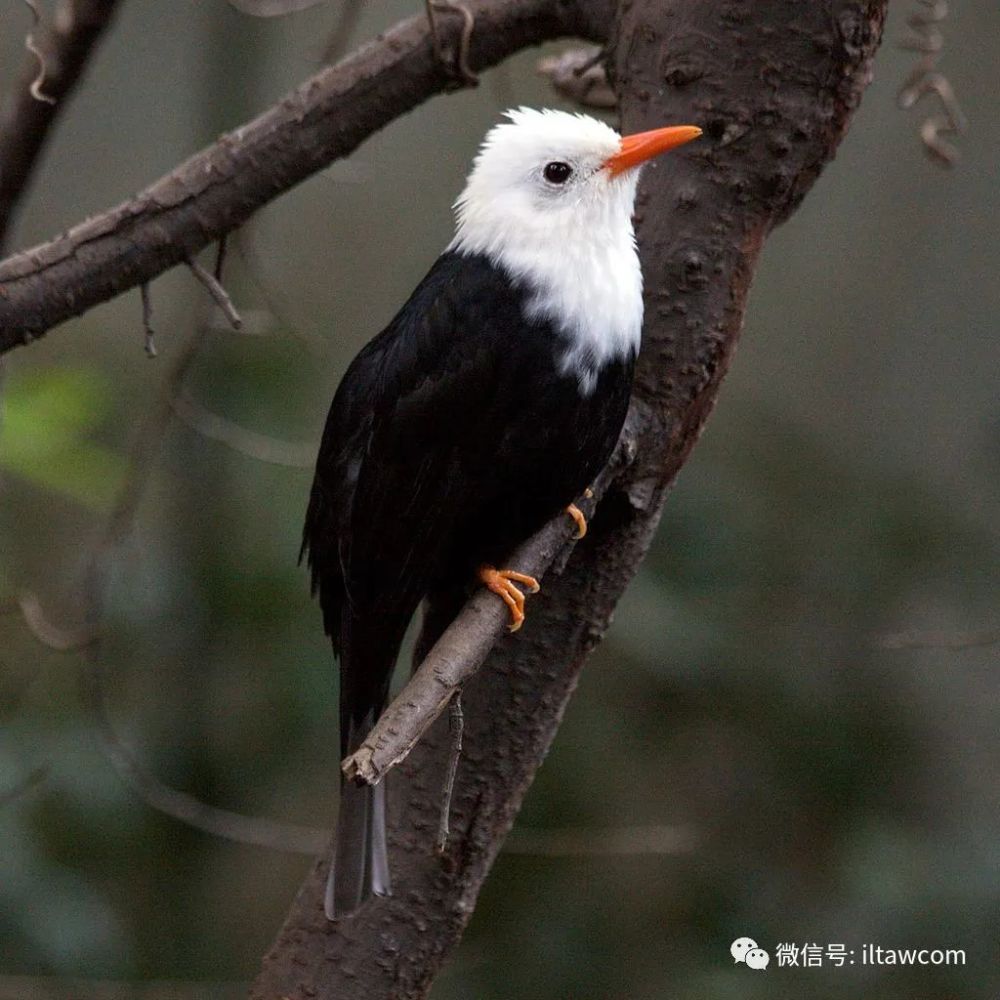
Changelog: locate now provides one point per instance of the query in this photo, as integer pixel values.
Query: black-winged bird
(482, 410)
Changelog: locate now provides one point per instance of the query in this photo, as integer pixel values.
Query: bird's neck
(589, 289)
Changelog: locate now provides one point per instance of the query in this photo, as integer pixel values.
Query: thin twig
(147, 321)
(220, 257)
(456, 724)
(35, 89)
(436, 43)
(254, 830)
(61, 640)
(454, 658)
(58, 55)
(926, 38)
(272, 8)
(258, 446)
(460, 65)
(214, 288)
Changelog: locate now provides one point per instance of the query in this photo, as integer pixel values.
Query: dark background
(791, 728)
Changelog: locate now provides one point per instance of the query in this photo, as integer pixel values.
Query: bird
(490, 402)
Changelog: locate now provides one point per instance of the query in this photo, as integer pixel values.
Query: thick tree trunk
(774, 83)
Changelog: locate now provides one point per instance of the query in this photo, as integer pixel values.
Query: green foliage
(47, 435)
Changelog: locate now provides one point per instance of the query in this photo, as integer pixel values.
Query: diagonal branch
(217, 190)
(25, 121)
(465, 644)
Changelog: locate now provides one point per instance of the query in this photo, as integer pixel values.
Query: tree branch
(217, 190)
(774, 84)
(466, 643)
(25, 121)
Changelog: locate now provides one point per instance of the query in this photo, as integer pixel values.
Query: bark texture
(774, 83)
(217, 190)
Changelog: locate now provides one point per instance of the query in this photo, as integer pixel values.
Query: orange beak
(642, 146)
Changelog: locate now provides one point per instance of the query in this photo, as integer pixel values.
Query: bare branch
(61, 640)
(459, 61)
(254, 830)
(465, 644)
(32, 46)
(217, 190)
(246, 442)
(220, 257)
(925, 37)
(214, 288)
(149, 333)
(27, 116)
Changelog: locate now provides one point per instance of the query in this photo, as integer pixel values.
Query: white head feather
(570, 244)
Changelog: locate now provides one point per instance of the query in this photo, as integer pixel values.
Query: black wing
(452, 437)
(416, 409)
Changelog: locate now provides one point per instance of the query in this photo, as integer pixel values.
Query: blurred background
(798, 697)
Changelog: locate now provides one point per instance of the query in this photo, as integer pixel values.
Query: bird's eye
(557, 172)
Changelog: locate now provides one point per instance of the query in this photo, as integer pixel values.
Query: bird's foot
(501, 582)
(581, 522)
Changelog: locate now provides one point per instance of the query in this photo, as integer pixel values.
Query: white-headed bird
(483, 409)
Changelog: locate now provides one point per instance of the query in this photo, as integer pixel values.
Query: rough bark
(25, 121)
(217, 190)
(774, 83)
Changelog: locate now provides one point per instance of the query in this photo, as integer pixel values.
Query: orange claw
(501, 582)
(581, 522)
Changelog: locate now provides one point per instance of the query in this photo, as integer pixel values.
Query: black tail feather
(360, 865)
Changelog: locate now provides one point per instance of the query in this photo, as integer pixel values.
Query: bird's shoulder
(455, 316)
(406, 387)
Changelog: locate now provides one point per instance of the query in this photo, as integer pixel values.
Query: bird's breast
(591, 295)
